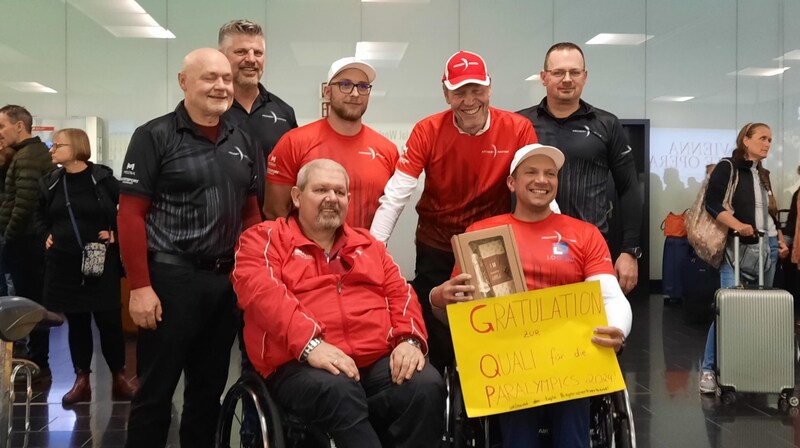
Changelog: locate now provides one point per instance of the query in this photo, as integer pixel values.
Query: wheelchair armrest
(18, 316)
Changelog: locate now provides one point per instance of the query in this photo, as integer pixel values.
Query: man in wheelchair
(554, 250)
(332, 326)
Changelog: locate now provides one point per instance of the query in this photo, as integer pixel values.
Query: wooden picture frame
(491, 258)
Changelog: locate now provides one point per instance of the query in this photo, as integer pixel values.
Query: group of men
(339, 336)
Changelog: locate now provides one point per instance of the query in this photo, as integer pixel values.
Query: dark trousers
(374, 413)
(194, 338)
(81, 342)
(434, 267)
(568, 422)
(24, 260)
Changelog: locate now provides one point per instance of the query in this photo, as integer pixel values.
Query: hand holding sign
(534, 348)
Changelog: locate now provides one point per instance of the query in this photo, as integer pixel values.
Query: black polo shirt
(269, 118)
(594, 145)
(197, 188)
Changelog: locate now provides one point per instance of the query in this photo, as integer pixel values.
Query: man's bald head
(206, 81)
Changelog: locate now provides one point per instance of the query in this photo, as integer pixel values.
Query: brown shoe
(81, 391)
(120, 387)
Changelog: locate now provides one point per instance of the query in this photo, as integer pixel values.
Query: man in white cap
(555, 250)
(465, 152)
(368, 157)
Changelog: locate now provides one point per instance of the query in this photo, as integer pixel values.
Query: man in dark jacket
(23, 253)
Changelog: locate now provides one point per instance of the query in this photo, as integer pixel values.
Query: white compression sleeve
(396, 195)
(618, 310)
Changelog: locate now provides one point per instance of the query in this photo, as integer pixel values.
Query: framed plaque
(490, 256)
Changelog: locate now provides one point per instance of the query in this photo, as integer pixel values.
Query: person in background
(755, 210)
(259, 113)
(465, 152)
(533, 180)
(6, 286)
(596, 146)
(23, 253)
(78, 205)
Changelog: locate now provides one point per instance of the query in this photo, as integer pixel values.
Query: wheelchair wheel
(461, 432)
(249, 418)
(601, 422)
(624, 431)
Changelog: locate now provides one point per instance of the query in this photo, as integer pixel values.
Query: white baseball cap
(340, 65)
(534, 149)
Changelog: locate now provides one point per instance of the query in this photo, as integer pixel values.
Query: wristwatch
(312, 344)
(635, 251)
(413, 341)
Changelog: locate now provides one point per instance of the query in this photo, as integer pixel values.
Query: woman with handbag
(749, 207)
(77, 212)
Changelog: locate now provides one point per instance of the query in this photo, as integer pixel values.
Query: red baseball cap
(465, 67)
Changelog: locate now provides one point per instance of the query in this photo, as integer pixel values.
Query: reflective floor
(660, 363)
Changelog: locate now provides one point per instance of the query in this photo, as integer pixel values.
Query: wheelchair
(250, 418)
(610, 421)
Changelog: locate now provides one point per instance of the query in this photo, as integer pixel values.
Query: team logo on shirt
(560, 250)
(371, 153)
(494, 151)
(275, 118)
(587, 131)
(239, 153)
(299, 253)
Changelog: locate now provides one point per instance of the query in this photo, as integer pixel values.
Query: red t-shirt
(368, 157)
(465, 175)
(558, 250)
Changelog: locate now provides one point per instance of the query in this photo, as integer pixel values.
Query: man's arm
(278, 201)
(408, 333)
(618, 313)
(144, 306)
(626, 182)
(396, 195)
(262, 294)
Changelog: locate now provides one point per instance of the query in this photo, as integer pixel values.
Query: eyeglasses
(59, 145)
(347, 87)
(559, 73)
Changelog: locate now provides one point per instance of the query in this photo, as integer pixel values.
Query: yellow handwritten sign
(532, 348)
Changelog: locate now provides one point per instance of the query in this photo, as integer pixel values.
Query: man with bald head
(187, 191)
(333, 326)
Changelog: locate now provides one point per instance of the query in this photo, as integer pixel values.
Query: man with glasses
(259, 113)
(465, 152)
(594, 142)
(368, 157)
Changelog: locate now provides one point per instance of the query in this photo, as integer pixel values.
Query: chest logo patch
(239, 153)
(494, 151)
(370, 152)
(275, 118)
(300, 254)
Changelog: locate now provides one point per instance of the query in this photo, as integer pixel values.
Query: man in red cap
(465, 152)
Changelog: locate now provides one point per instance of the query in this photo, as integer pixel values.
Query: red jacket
(291, 294)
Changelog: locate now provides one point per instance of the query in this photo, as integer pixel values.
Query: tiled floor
(661, 364)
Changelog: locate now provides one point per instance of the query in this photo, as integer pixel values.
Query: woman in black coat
(78, 205)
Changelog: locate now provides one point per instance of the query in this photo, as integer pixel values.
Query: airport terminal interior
(683, 76)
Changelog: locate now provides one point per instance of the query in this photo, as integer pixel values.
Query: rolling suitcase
(755, 338)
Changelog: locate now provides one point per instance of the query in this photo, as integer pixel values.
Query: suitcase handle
(736, 259)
